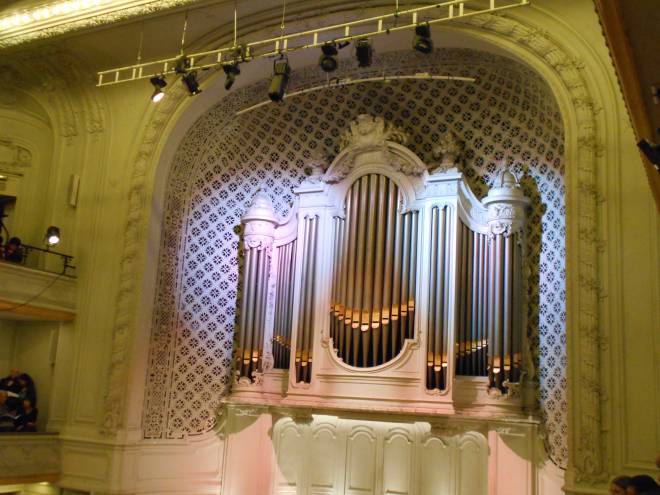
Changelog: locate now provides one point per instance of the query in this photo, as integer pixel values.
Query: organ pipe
(305, 333)
(489, 289)
(283, 305)
(436, 361)
(259, 224)
(375, 263)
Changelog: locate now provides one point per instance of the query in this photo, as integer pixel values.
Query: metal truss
(315, 38)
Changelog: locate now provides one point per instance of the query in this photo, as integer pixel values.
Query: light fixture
(158, 82)
(189, 79)
(352, 30)
(363, 52)
(52, 235)
(231, 71)
(328, 60)
(422, 41)
(278, 83)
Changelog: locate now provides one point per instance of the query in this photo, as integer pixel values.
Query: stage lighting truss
(363, 28)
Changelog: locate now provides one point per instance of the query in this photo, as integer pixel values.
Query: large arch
(571, 68)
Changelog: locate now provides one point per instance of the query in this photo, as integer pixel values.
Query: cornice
(68, 24)
(61, 83)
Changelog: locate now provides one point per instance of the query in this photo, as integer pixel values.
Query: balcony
(29, 458)
(30, 292)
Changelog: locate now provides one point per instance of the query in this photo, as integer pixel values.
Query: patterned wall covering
(508, 115)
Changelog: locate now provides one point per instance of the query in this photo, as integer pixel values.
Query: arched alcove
(26, 145)
(508, 115)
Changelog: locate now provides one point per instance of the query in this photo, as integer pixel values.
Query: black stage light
(191, 83)
(363, 52)
(231, 71)
(328, 59)
(422, 41)
(158, 82)
(278, 83)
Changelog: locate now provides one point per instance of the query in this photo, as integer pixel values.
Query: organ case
(389, 287)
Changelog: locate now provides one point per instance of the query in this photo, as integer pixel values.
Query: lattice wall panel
(508, 115)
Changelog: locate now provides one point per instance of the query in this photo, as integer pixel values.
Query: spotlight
(158, 82)
(231, 71)
(52, 235)
(328, 59)
(363, 52)
(191, 83)
(422, 41)
(278, 83)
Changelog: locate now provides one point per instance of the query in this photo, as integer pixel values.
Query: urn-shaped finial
(260, 221)
(506, 203)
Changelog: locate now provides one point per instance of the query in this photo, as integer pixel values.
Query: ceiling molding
(65, 24)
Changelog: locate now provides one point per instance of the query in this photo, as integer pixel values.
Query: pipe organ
(389, 283)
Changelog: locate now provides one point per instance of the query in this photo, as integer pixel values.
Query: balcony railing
(46, 260)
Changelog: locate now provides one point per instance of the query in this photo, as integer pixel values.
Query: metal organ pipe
(436, 374)
(259, 231)
(305, 344)
(489, 292)
(283, 305)
(377, 265)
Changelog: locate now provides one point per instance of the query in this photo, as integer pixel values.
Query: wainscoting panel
(365, 457)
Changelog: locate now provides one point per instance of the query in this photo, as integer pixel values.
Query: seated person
(10, 382)
(14, 250)
(642, 484)
(26, 389)
(27, 418)
(619, 485)
(7, 414)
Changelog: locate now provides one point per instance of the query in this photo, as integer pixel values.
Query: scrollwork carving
(13, 157)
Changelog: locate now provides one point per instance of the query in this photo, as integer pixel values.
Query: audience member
(18, 400)
(642, 484)
(619, 485)
(27, 418)
(7, 414)
(10, 382)
(27, 389)
(14, 250)
(3, 402)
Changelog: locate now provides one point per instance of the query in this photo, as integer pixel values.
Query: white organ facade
(389, 291)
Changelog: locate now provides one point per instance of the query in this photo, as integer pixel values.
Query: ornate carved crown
(367, 130)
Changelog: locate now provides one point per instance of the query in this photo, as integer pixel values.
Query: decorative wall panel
(361, 457)
(507, 116)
